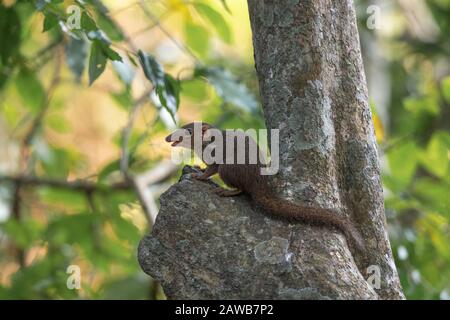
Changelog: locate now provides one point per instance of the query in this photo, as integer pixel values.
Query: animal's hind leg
(227, 192)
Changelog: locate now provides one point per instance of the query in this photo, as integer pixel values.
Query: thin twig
(142, 182)
(141, 186)
(95, 224)
(127, 39)
(45, 53)
(155, 20)
(151, 26)
(115, 12)
(45, 105)
(16, 211)
(393, 144)
(126, 132)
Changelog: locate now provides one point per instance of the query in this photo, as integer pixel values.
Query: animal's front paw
(226, 192)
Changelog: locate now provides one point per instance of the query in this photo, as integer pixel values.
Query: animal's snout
(169, 138)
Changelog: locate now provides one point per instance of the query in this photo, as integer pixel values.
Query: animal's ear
(205, 127)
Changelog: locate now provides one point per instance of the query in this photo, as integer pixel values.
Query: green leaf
(123, 98)
(215, 19)
(58, 123)
(70, 200)
(197, 38)
(97, 61)
(225, 5)
(58, 165)
(110, 168)
(434, 226)
(446, 88)
(45, 278)
(436, 156)
(433, 195)
(123, 228)
(87, 23)
(167, 89)
(50, 21)
(110, 53)
(228, 87)
(24, 233)
(425, 104)
(105, 22)
(80, 231)
(56, 162)
(10, 35)
(132, 60)
(30, 89)
(110, 28)
(153, 70)
(133, 287)
(76, 54)
(10, 31)
(171, 94)
(103, 44)
(11, 114)
(403, 162)
(196, 89)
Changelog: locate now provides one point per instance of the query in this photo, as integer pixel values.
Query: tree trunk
(313, 89)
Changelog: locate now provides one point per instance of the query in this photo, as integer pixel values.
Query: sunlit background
(55, 126)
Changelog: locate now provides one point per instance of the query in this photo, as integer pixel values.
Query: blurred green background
(66, 94)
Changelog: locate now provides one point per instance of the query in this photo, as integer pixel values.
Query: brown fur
(247, 178)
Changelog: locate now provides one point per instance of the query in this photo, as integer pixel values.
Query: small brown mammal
(245, 177)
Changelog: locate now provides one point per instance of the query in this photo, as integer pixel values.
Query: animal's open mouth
(177, 142)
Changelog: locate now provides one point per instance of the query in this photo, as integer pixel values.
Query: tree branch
(75, 185)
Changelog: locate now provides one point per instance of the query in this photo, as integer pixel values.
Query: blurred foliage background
(88, 90)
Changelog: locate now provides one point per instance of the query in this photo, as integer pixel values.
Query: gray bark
(313, 90)
(208, 247)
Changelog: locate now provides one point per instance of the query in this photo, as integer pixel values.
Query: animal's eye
(189, 130)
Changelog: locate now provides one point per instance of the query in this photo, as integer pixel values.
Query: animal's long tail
(311, 215)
